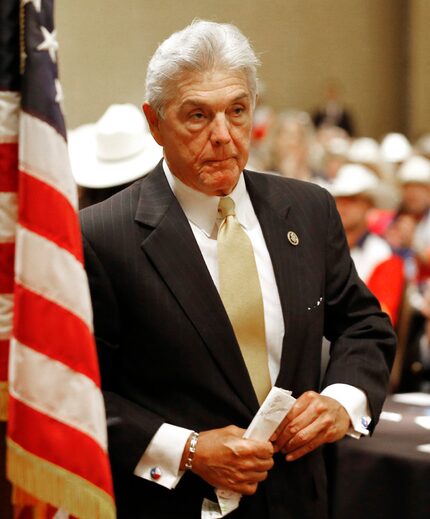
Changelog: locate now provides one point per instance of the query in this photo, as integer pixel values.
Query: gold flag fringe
(3, 401)
(57, 486)
(22, 502)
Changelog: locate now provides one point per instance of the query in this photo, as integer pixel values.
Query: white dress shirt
(166, 447)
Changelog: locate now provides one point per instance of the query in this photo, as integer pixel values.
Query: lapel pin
(293, 238)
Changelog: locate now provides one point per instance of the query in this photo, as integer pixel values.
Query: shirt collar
(202, 209)
(362, 239)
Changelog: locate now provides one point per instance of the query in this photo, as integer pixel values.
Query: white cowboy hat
(338, 146)
(364, 150)
(395, 147)
(354, 179)
(117, 149)
(423, 144)
(415, 170)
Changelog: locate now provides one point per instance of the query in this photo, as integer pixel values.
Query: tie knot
(226, 207)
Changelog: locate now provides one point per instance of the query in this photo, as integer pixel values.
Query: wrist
(189, 451)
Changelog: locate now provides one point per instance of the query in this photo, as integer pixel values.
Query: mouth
(218, 161)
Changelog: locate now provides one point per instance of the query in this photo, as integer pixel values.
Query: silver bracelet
(192, 450)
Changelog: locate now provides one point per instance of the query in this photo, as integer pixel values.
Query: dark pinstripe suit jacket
(168, 353)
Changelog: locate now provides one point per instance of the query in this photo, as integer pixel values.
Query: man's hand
(225, 460)
(312, 421)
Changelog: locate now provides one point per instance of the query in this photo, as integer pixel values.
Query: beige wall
(105, 46)
(419, 69)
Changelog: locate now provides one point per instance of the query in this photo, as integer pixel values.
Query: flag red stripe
(67, 447)
(7, 257)
(4, 359)
(9, 167)
(60, 334)
(46, 211)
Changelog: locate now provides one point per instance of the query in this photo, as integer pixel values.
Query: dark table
(385, 476)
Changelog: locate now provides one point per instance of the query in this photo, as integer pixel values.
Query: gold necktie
(241, 294)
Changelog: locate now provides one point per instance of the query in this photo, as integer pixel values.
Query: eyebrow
(201, 102)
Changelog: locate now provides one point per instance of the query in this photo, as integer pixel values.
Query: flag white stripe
(9, 116)
(8, 216)
(43, 154)
(6, 315)
(52, 272)
(54, 389)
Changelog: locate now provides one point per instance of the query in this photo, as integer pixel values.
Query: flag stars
(49, 43)
(37, 4)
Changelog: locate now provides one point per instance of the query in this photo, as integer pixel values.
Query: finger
(300, 416)
(262, 450)
(247, 489)
(305, 412)
(306, 435)
(279, 429)
(282, 439)
(257, 477)
(253, 464)
(301, 405)
(245, 483)
(308, 415)
(305, 449)
(318, 406)
(297, 409)
(243, 487)
(263, 465)
(326, 427)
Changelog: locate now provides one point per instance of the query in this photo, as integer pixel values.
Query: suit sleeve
(362, 339)
(130, 427)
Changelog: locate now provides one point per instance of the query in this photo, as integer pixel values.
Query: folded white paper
(271, 413)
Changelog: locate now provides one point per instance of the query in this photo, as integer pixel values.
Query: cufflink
(155, 473)
(365, 421)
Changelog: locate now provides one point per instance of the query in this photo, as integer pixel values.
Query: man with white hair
(210, 284)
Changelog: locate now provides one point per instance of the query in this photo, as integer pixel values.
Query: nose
(220, 133)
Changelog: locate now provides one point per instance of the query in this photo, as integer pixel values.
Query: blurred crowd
(381, 188)
(382, 192)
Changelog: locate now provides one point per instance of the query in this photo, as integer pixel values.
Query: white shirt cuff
(355, 402)
(161, 459)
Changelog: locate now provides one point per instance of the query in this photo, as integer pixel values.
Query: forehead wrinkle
(201, 101)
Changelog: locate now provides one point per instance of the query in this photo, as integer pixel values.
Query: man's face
(205, 130)
(353, 211)
(416, 197)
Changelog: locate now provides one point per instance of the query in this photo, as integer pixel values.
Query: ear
(153, 122)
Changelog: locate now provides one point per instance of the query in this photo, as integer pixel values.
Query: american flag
(56, 432)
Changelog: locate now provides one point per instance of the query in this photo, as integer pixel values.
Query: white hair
(202, 46)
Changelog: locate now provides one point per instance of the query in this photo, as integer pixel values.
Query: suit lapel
(173, 250)
(276, 216)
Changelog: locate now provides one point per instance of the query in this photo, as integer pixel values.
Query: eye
(237, 110)
(197, 116)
